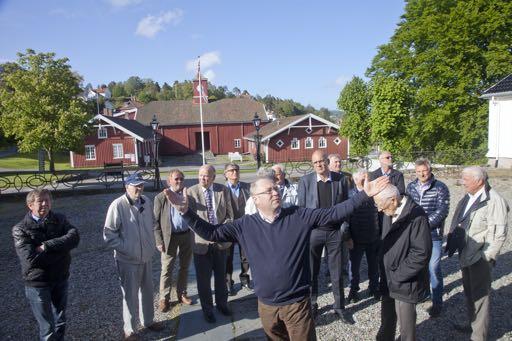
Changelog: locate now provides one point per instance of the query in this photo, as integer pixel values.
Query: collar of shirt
(473, 197)
(36, 218)
(319, 178)
(235, 189)
(268, 219)
(209, 188)
(399, 210)
(388, 173)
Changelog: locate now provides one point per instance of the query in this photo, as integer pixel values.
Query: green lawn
(29, 161)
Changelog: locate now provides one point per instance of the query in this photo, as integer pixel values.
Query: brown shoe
(130, 337)
(163, 306)
(185, 299)
(156, 327)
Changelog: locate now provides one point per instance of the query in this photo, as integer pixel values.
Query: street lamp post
(154, 126)
(256, 121)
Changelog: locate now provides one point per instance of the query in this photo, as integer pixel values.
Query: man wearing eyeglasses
(129, 232)
(276, 241)
(324, 189)
(239, 196)
(174, 240)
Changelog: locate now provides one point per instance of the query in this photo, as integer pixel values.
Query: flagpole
(201, 105)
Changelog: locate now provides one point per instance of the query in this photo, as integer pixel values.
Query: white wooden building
(500, 123)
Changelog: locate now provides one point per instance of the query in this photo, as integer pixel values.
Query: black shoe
(463, 328)
(314, 310)
(345, 316)
(353, 296)
(224, 310)
(375, 294)
(231, 290)
(209, 317)
(435, 310)
(247, 285)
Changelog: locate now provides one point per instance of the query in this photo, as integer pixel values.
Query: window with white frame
(322, 142)
(118, 150)
(238, 143)
(279, 143)
(90, 152)
(337, 141)
(102, 133)
(309, 130)
(295, 143)
(309, 142)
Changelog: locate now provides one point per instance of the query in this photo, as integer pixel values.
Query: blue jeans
(436, 275)
(48, 305)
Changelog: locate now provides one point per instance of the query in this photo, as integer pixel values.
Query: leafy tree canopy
(40, 104)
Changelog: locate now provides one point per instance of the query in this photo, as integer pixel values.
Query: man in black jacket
(324, 189)
(406, 246)
(43, 240)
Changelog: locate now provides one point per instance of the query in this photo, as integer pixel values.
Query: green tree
(354, 101)
(390, 114)
(449, 51)
(40, 105)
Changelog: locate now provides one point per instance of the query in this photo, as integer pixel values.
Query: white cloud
(123, 3)
(342, 80)
(150, 25)
(208, 60)
(209, 74)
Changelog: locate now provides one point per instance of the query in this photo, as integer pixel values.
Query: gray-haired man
(478, 231)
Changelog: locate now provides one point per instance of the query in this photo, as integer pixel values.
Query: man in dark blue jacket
(43, 240)
(434, 197)
(276, 241)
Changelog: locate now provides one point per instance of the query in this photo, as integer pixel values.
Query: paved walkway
(244, 324)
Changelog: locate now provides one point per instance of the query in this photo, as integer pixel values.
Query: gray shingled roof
(135, 127)
(180, 112)
(504, 85)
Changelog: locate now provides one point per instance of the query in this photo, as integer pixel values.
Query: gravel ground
(94, 302)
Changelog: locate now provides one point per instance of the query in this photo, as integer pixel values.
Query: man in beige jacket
(478, 231)
(211, 202)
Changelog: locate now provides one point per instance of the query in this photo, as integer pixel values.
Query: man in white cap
(129, 231)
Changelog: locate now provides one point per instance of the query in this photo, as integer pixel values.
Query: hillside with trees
(147, 90)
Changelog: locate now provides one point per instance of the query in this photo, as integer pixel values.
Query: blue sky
(303, 50)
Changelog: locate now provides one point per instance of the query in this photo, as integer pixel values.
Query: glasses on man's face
(179, 179)
(233, 170)
(269, 191)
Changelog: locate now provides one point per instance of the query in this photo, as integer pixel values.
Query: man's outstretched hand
(374, 187)
(178, 200)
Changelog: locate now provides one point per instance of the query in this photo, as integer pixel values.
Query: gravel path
(94, 308)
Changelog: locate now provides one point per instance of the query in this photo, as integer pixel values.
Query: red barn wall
(104, 149)
(181, 140)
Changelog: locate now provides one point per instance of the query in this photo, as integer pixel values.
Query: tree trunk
(51, 160)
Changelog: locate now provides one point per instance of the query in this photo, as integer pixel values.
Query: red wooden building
(114, 140)
(227, 124)
(294, 138)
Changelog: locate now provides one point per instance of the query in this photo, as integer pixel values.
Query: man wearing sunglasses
(396, 178)
(276, 241)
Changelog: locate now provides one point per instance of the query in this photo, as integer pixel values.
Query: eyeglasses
(270, 191)
(233, 170)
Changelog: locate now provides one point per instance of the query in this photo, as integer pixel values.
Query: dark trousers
(48, 305)
(391, 310)
(332, 240)
(288, 322)
(244, 263)
(214, 260)
(356, 255)
(476, 280)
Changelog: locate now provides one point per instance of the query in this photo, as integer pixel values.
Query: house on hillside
(294, 138)
(500, 120)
